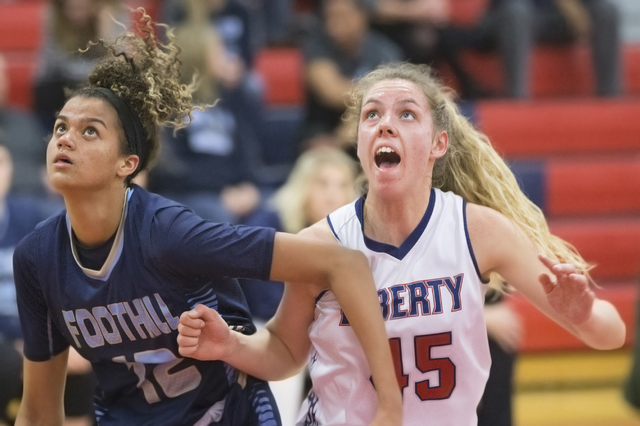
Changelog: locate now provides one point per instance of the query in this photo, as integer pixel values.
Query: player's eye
(60, 128)
(91, 132)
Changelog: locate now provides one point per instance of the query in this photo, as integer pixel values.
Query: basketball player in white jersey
(441, 215)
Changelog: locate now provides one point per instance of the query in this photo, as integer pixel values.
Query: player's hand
(568, 292)
(204, 335)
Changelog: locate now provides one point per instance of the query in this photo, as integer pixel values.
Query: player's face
(84, 150)
(395, 138)
(332, 187)
(345, 23)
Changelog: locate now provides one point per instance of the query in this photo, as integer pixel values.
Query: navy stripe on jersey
(311, 418)
(397, 252)
(331, 227)
(264, 405)
(204, 296)
(466, 233)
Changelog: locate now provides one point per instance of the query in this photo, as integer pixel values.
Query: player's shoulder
(485, 220)
(319, 231)
(42, 238)
(145, 202)
(147, 210)
(348, 210)
(492, 234)
(346, 216)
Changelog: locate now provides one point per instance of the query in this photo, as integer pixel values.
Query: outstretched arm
(315, 259)
(282, 347)
(596, 321)
(558, 290)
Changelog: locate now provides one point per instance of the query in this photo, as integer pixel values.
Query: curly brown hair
(146, 73)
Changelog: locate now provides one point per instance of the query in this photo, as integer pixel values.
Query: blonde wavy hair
(146, 72)
(471, 167)
(290, 200)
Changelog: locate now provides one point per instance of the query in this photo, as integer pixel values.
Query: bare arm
(42, 398)
(346, 273)
(282, 348)
(289, 328)
(556, 289)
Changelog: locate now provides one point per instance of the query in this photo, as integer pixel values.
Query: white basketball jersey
(432, 297)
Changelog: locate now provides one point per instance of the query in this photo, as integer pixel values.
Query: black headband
(133, 130)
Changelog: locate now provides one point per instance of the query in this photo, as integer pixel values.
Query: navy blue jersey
(124, 318)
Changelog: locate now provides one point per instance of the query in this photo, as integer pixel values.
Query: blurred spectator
(632, 384)
(231, 20)
(273, 20)
(513, 27)
(321, 181)
(69, 26)
(208, 166)
(22, 135)
(18, 217)
(343, 48)
(422, 29)
(504, 328)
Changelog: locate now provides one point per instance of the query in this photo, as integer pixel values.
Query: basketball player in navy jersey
(442, 214)
(111, 275)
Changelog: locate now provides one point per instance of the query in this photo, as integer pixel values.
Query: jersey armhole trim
(320, 295)
(333, 231)
(466, 234)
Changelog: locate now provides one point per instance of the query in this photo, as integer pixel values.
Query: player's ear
(127, 165)
(440, 144)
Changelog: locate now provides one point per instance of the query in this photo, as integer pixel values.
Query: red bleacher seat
(613, 244)
(558, 71)
(466, 12)
(593, 186)
(631, 66)
(21, 25)
(282, 71)
(534, 129)
(543, 334)
(20, 70)
(150, 6)
(555, 71)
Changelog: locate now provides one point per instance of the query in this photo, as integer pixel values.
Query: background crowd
(219, 166)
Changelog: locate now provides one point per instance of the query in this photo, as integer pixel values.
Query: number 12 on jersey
(162, 362)
(425, 363)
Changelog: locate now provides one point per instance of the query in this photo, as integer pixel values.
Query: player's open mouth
(61, 158)
(386, 158)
